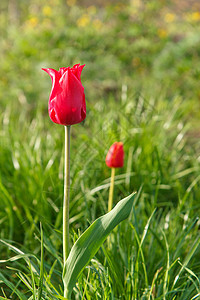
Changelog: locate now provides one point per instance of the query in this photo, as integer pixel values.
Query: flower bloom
(67, 99)
(115, 156)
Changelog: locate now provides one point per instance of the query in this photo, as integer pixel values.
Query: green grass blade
(26, 280)
(12, 287)
(41, 265)
(115, 270)
(185, 234)
(153, 284)
(165, 285)
(187, 259)
(20, 255)
(33, 280)
(140, 252)
(90, 241)
(196, 297)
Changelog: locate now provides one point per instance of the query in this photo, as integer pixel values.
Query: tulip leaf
(91, 240)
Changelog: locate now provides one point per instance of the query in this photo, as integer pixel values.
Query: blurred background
(151, 45)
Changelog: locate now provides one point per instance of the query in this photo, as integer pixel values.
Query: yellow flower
(169, 17)
(192, 17)
(83, 21)
(195, 16)
(162, 33)
(47, 11)
(32, 22)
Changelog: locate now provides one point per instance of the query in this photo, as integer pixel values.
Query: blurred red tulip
(115, 156)
(67, 99)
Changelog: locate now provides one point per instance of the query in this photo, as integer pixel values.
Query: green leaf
(91, 240)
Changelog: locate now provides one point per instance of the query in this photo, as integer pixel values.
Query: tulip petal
(77, 70)
(70, 101)
(52, 73)
(83, 109)
(55, 76)
(62, 70)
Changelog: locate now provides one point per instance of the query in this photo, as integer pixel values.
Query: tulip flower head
(67, 99)
(115, 156)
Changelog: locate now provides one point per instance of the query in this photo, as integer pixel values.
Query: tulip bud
(115, 156)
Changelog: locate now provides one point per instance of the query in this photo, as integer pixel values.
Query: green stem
(66, 198)
(112, 180)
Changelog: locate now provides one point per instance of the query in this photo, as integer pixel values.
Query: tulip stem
(66, 198)
(112, 180)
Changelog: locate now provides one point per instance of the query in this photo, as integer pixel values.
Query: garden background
(142, 86)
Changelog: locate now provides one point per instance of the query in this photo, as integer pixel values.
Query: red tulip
(67, 99)
(115, 156)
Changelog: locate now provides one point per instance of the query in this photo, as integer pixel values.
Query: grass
(151, 104)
